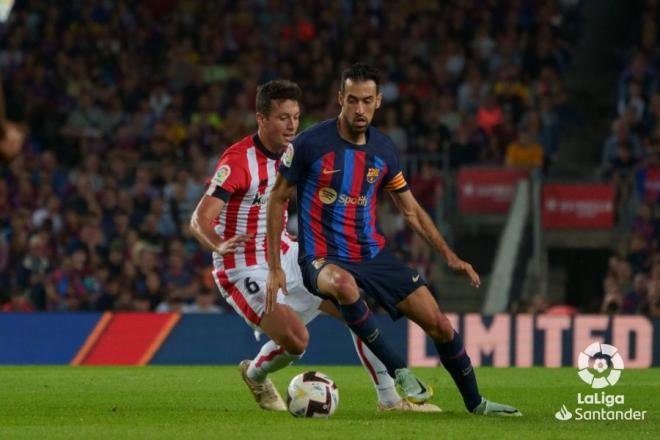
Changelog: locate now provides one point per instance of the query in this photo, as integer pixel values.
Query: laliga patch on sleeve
(221, 175)
(287, 157)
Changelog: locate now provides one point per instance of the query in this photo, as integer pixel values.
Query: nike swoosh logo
(416, 278)
(421, 386)
(327, 171)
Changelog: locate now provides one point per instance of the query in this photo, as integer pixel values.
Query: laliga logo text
(600, 366)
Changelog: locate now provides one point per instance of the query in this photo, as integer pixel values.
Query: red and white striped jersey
(244, 178)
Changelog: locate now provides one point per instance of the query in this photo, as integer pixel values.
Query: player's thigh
(422, 308)
(284, 326)
(299, 298)
(245, 291)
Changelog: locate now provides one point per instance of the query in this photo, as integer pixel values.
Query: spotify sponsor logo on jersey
(329, 196)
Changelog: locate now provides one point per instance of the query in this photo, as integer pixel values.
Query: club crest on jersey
(318, 263)
(287, 157)
(221, 175)
(372, 174)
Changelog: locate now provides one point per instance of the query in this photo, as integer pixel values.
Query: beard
(356, 129)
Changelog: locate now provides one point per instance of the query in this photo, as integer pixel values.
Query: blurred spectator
(470, 144)
(510, 91)
(86, 121)
(109, 295)
(645, 226)
(622, 165)
(19, 303)
(612, 299)
(471, 91)
(489, 114)
(204, 303)
(654, 299)
(179, 276)
(172, 303)
(633, 102)
(640, 72)
(524, 152)
(638, 253)
(32, 274)
(394, 130)
(504, 134)
(130, 104)
(427, 185)
(621, 134)
(635, 300)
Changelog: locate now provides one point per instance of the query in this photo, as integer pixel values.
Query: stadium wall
(173, 339)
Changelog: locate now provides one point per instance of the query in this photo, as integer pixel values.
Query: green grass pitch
(212, 402)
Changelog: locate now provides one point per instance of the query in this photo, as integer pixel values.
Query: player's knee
(441, 329)
(295, 341)
(345, 288)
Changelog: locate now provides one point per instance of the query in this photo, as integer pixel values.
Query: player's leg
(308, 307)
(388, 397)
(421, 307)
(289, 339)
(245, 291)
(377, 371)
(337, 282)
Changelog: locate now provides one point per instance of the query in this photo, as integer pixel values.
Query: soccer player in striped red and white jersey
(230, 220)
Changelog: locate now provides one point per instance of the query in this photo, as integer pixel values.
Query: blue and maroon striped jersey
(338, 187)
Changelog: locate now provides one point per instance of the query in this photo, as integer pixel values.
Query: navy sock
(458, 364)
(361, 321)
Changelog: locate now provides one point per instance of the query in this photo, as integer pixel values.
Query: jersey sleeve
(230, 176)
(394, 180)
(292, 163)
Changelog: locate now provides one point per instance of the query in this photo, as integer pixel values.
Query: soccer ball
(312, 394)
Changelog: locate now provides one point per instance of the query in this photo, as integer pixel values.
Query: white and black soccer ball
(312, 394)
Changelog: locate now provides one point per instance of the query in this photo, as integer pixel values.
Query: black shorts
(384, 278)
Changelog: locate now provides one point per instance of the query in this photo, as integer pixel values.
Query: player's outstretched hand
(230, 246)
(459, 265)
(276, 281)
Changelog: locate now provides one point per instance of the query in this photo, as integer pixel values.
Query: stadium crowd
(130, 104)
(631, 157)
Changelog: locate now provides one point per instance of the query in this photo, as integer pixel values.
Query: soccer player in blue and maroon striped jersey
(339, 167)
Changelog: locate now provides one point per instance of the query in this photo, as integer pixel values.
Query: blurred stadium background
(529, 129)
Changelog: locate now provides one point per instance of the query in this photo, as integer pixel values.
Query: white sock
(383, 382)
(271, 358)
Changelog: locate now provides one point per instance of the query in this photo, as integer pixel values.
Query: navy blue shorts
(384, 278)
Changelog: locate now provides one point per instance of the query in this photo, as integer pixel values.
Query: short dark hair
(360, 72)
(276, 90)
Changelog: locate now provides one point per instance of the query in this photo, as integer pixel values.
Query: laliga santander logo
(600, 365)
(598, 357)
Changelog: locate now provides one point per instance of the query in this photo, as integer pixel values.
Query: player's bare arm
(201, 225)
(279, 196)
(419, 220)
